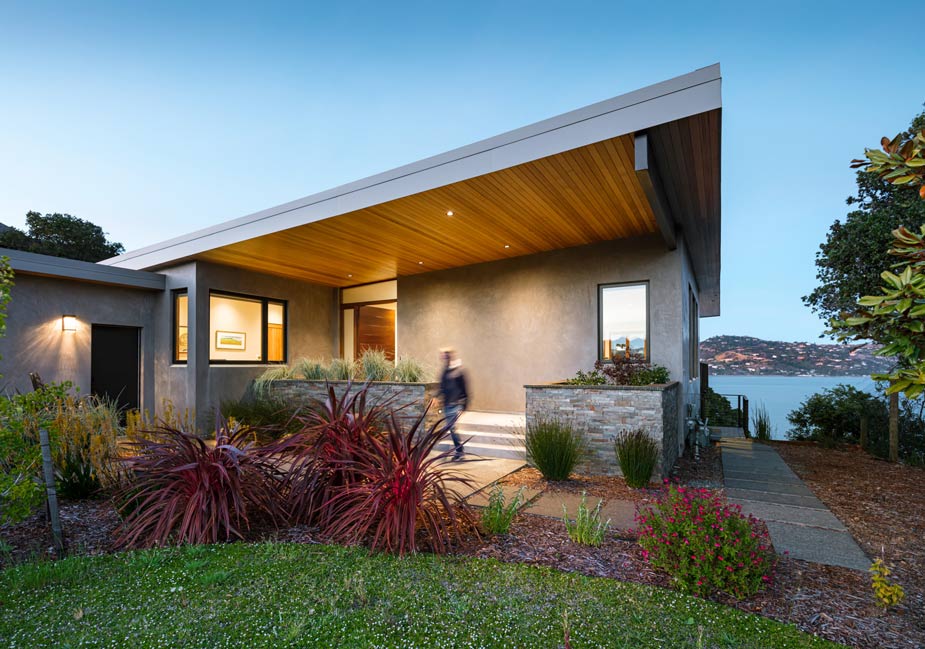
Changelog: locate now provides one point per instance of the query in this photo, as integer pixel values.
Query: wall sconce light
(69, 323)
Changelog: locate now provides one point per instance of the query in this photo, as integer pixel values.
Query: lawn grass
(291, 595)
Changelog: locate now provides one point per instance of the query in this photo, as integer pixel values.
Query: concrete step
(490, 437)
(505, 451)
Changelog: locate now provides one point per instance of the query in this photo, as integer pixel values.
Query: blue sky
(155, 119)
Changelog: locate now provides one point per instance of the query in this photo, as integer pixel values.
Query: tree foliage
(896, 317)
(901, 162)
(855, 252)
(61, 235)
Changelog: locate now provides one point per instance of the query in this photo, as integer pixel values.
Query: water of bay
(781, 394)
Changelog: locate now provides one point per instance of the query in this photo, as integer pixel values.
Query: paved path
(483, 471)
(759, 480)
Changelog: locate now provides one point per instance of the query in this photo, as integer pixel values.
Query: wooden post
(894, 427)
(48, 470)
(865, 426)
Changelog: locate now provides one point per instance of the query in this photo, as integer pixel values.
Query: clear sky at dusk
(156, 119)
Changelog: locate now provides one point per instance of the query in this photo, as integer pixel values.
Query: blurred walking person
(455, 396)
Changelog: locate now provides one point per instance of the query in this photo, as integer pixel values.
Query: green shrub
(622, 371)
(594, 377)
(705, 544)
(83, 432)
(374, 365)
(410, 370)
(717, 409)
(638, 455)
(761, 423)
(341, 370)
(498, 515)
(834, 415)
(588, 528)
(268, 417)
(311, 369)
(554, 446)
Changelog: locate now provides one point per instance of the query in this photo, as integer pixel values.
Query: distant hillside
(746, 355)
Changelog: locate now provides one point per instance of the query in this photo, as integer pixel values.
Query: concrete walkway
(482, 471)
(759, 480)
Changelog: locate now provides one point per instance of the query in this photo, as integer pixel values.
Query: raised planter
(606, 410)
(411, 398)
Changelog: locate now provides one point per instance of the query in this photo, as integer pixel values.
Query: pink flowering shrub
(705, 544)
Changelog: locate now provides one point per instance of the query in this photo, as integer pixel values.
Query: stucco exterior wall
(34, 341)
(312, 328)
(534, 319)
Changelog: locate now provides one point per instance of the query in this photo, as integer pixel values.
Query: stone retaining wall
(411, 398)
(606, 410)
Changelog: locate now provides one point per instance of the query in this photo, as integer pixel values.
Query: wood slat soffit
(581, 196)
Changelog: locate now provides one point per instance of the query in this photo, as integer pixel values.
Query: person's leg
(452, 415)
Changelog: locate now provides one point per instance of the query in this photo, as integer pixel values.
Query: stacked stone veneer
(410, 399)
(603, 411)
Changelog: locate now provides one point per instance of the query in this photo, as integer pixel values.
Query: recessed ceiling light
(420, 263)
(349, 275)
(507, 245)
(449, 212)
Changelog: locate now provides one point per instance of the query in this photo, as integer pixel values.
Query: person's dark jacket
(453, 387)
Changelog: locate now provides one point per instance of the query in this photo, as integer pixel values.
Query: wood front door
(375, 329)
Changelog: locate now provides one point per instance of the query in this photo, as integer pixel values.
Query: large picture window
(624, 321)
(244, 329)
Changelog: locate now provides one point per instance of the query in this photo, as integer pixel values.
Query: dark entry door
(114, 362)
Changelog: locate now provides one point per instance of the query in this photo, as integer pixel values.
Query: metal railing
(733, 413)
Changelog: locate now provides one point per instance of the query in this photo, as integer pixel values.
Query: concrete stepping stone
(790, 514)
(622, 513)
(780, 499)
(480, 499)
(830, 547)
(794, 488)
(759, 481)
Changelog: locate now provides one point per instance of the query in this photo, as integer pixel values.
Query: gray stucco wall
(34, 341)
(534, 319)
(312, 332)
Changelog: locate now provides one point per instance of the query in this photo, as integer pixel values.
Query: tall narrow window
(180, 326)
(624, 321)
(276, 332)
(694, 335)
(244, 329)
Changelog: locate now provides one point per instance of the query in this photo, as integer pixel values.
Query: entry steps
(490, 434)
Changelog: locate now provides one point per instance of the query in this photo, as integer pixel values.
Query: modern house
(534, 253)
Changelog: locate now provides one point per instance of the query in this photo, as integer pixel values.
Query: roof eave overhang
(668, 101)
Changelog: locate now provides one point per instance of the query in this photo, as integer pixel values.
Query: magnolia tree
(897, 317)
(902, 161)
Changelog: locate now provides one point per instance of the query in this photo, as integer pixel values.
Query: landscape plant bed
(832, 602)
(277, 595)
(705, 472)
(596, 486)
(882, 505)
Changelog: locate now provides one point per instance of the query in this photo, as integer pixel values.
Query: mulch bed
(598, 486)
(833, 603)
(88, 527)
(882, 505)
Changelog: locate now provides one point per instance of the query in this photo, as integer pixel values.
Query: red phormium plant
(401, 488)
(705, 544)
(184, 491)
(317, 459)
